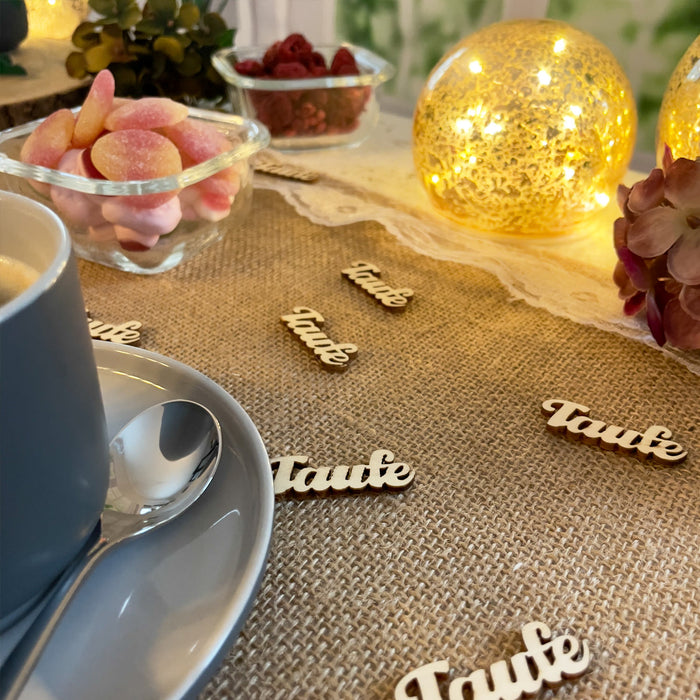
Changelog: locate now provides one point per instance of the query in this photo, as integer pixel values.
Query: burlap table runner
(505, 523)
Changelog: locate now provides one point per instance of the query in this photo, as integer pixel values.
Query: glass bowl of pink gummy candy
(138, 224)
(309, 97)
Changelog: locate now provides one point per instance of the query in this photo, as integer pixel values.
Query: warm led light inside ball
(524, 128)
(679, 116)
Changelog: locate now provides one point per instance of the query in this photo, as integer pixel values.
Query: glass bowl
(308, 113)
(87, 205)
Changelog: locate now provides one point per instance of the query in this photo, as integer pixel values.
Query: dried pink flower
(658, 248)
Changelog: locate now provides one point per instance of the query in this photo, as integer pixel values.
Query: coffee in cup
(54, 464)
(15, 277)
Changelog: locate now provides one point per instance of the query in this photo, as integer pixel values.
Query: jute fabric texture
(505, 522)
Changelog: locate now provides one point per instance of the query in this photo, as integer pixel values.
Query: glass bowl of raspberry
(142, 185)
(309, 97)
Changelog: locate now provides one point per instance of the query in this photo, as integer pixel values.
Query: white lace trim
(570, 277)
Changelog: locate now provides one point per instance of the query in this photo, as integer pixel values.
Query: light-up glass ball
(524, 128)
(679, 117)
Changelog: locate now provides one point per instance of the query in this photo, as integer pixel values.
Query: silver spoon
(160, 463)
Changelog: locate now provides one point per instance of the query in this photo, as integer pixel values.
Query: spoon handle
(18, 666)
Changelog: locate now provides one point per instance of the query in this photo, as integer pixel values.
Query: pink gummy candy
(48, 142)
(102, 233)
(87, 168)
(78, 208)
(146, 113)
(209, 206)
(128, 238)
(137, 154)
(135, 240)
(98, 104)
(198, 140)
(152, 221)
(220, 185)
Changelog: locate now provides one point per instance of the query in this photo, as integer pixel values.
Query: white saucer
(159, 614)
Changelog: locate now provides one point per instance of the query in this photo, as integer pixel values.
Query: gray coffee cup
(54, 464)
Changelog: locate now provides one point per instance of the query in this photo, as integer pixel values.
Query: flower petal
(635, 267)
(667, 159)
(620, 228)
(647, 194)
(690, 300)
(682, 186)
(655, 318)
(682, 330)
(623, 192)
(620, 277)
(684, 258)
(634, 304)
(655, 231)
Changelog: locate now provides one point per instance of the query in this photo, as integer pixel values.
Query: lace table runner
(569, 277)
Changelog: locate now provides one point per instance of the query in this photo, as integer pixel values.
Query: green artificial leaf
(76, 66)
(191, 64)
(170, 47)
(129, 16)
(150, 26)
(139, 49)
(203, 5)
(159, 65)
(188, 16)
(85, 35)
(7, 67)
(165, 10)
(214, 23)
(225, 39)
(98, 57)
(106, 8)
(124, 79)
(113, 33)
(124, 5)
(184, 39)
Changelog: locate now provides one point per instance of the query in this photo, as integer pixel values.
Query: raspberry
(305, 112)
(344, 63)
(274, 109)
(250, 67)
(290, 70)
(271, 57)
(314, 62)
(294, 48)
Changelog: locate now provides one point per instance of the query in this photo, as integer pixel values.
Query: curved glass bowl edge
(376, 70)
(255, 138)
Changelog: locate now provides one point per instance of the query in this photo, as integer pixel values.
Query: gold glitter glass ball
(679, 116)
(524, 128)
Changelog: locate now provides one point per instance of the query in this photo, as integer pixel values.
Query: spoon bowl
(160, 464)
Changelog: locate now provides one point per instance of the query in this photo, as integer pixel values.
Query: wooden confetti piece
(266, 163)
(366, 276)
(305, 323)
(293, 474)
(572, 420)
(546, 661)
(126, 333)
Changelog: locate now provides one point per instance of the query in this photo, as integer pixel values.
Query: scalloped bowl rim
(257, 137)
(378, 70)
